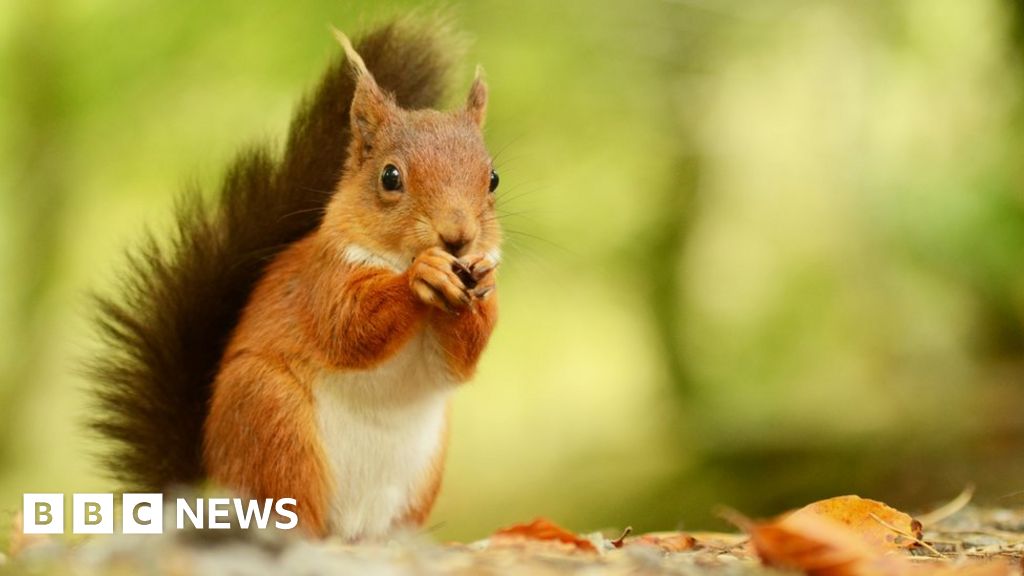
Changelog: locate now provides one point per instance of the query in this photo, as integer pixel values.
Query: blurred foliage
(758, 252)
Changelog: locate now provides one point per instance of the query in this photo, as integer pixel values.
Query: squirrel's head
(414, 179)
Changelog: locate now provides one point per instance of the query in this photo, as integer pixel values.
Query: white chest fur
(381, 430)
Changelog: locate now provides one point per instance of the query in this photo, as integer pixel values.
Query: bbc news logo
(144, 513)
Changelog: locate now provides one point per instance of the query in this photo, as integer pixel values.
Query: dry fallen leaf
(819, 544)
(546, 530)
(876, 523)
(666, 541)
(813, 544)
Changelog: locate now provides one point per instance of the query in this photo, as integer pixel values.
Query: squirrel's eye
(391, 178)
(494, 180)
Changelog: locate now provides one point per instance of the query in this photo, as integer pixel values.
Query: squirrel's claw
(482, 292)
(483, 268)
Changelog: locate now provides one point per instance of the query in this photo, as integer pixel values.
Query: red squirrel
(328, 375)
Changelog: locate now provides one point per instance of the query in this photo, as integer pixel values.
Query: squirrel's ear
(370, 105)
(476, 103)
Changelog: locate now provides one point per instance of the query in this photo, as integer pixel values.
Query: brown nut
(464, 274)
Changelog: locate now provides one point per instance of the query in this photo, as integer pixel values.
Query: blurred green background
(758, 252)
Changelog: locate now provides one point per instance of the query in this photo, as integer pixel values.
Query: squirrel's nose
(456, 232)
(455, 243)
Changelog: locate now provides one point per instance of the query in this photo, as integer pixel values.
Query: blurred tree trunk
(665, 262)
(684, 33)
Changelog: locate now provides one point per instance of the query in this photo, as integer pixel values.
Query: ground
(951, 541)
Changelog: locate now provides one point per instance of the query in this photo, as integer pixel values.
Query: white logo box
(93, 513)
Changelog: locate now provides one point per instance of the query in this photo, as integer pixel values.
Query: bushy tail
(165, 332)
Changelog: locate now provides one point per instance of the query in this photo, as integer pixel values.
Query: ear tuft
(476, 102)
(353, 57)
(370, 105)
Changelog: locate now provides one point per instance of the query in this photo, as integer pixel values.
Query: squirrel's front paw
(433, 279)
(480, 275)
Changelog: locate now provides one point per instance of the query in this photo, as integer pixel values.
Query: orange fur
(464, 336)
(276, 458)
(356, 317)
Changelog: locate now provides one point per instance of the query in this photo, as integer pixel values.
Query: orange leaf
(813, 544)
(877, 524)
(544, 529)
(821, 546)
(666, 541)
